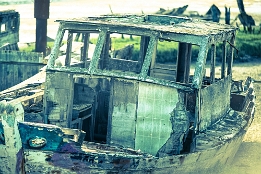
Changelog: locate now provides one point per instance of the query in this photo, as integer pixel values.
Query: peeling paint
(134, 122)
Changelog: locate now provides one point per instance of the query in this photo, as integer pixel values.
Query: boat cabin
(127, 96)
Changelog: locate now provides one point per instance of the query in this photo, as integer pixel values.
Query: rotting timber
(139, 116)
(9, 30)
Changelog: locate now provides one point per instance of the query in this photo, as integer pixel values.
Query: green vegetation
(31, 47)
(247, 44)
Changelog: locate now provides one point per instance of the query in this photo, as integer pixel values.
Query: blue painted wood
(53, 135)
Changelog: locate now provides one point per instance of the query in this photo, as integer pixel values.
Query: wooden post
(86, 40)
(150, 55)
(230, 56)
(68, 50)
(224, 57)
(97, 52)
(213, 64)
(144, 42)
(183, 62)
(227, 15)
(183, 65)
(11, 151)
(105, 52)
(41, 13)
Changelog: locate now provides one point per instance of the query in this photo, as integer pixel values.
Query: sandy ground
(248, 158)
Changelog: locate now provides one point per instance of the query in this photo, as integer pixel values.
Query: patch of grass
(31, 47)
(166, 51)
(248, 44)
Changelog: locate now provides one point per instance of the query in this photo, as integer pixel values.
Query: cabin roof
(159, 23)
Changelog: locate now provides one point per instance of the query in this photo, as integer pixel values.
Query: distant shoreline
(10, 2)
(64, 9)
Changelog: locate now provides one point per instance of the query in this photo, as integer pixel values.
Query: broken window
(219, 62)
(174, 61)
(76, 49)
(122, 53)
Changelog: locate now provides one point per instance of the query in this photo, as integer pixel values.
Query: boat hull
(216, 149)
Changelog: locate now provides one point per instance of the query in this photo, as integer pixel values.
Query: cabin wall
(83, 94)
(58, 98)
(141, 115)
(215, 102)
(16, 67)
(122, 113)
(124, 65)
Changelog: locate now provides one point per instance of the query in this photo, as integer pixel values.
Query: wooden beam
(224, 57)
(200, 65)
(69, 49)
(105, 52)
(56, 47)
(183, 62)
(86, 38)
(213, 64)
(144, 42)
(97, 52)
(58, 98)
(230, 56)
(150, 54)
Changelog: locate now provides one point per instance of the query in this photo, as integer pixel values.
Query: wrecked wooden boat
(111, 115)
(9, 31)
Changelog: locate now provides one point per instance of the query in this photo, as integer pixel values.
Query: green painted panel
(153, 127)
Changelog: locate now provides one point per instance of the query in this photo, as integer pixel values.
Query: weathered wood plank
(11, 150)
(213, 63)
(16, 67)
(58, 99)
